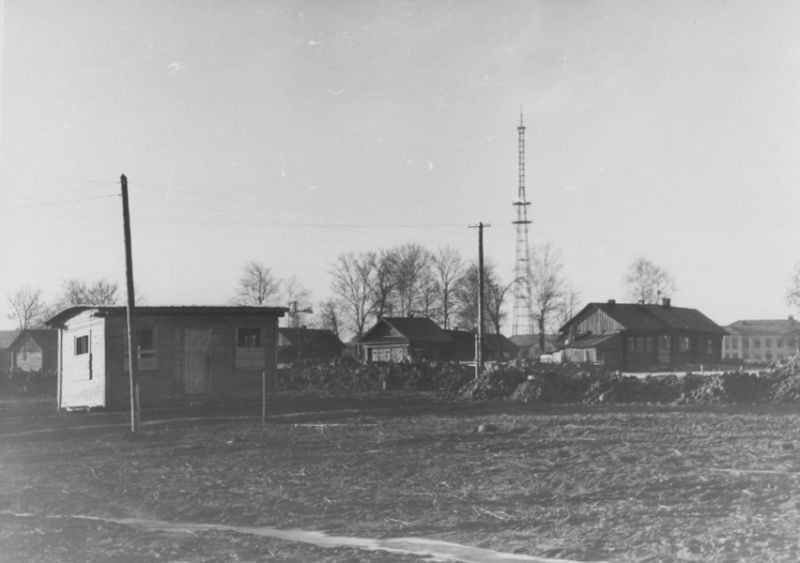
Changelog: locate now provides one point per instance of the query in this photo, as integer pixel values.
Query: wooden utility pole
(479, 340)
(134, 380)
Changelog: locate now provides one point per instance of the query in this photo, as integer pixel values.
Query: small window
(709, 347)
(684, 343)
(248, 338)
(81, 345)
(147, 348)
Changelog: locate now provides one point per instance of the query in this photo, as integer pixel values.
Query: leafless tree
(298, 297)
(79, 292)
(547, 287)
(793, 292)
(496, 294)
(570, 302)
(329, 315)
(257, 286)
(382, 281)
(448, 266)
(411, 262)
(646, 282)
(27, 307)
(352, 286)
(466, 295)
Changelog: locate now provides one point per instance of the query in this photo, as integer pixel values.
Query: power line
(52, 203)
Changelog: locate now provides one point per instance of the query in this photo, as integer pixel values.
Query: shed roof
(47, 339)
(169, 310)
(7, 337)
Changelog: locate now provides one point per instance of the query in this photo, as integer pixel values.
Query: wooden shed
(35, 350)
(183, 353)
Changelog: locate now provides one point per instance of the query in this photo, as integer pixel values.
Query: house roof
(635, 316)
(417, 329)
(320, 337)
(590, 341)
(47, 339)
(162, 311)
(7, 338)
(775, 327)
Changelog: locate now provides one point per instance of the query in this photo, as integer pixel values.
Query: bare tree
(79, 292)
(547, 288)
(448, 266)
(568, 307)
(352, 285)
(382, 281)
(329, 314)
(27, 307)
(257, 286)
(299, 299)
(793, 292)
(466, 294)
(411, 262)
(646, 282)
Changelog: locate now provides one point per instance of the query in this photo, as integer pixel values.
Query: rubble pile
(546, 383)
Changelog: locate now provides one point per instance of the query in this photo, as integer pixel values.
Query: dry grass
(586, 483)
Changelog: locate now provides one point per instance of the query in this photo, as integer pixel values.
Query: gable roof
(320, 337)
(416, 329)
(47, 339)
(636, 316)
(776, 327)
(7, 338)
(163, 311)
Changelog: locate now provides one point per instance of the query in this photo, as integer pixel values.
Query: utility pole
(479, 339)
(134, 380)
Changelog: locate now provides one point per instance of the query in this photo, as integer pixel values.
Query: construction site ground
(528, 480)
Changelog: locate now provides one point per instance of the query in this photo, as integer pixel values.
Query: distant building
(761, 341)
(528, 345)
(183, 353)
(636, 337)
(35, 350)
(307, 344)
(6, 339)
(398, 339)
(496, 347)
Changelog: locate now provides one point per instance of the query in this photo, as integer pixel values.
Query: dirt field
(588, 483)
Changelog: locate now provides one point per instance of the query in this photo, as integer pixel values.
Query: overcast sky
(291, 132)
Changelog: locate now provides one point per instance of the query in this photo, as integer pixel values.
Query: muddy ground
(586, 483)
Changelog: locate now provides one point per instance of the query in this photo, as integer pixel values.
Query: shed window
(248, 338)
(81, 345)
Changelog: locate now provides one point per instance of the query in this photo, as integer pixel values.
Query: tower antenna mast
(523, 295)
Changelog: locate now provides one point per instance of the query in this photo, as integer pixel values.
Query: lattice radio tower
(523, 297)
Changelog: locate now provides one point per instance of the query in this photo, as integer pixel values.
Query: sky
(291, 132)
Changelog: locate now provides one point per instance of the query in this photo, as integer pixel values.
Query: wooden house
(637, 337)
(35, 350)
(307, 344)
(412, 339)
(182, 353)
(496, 347)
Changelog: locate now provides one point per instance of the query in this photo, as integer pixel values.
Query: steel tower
(523, 296)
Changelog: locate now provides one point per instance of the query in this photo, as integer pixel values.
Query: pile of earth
(546, 383)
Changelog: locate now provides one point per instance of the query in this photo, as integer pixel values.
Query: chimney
(612, 302)
(665, 301)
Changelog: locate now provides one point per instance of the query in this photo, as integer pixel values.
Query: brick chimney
(665, 301)
(612, 302)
